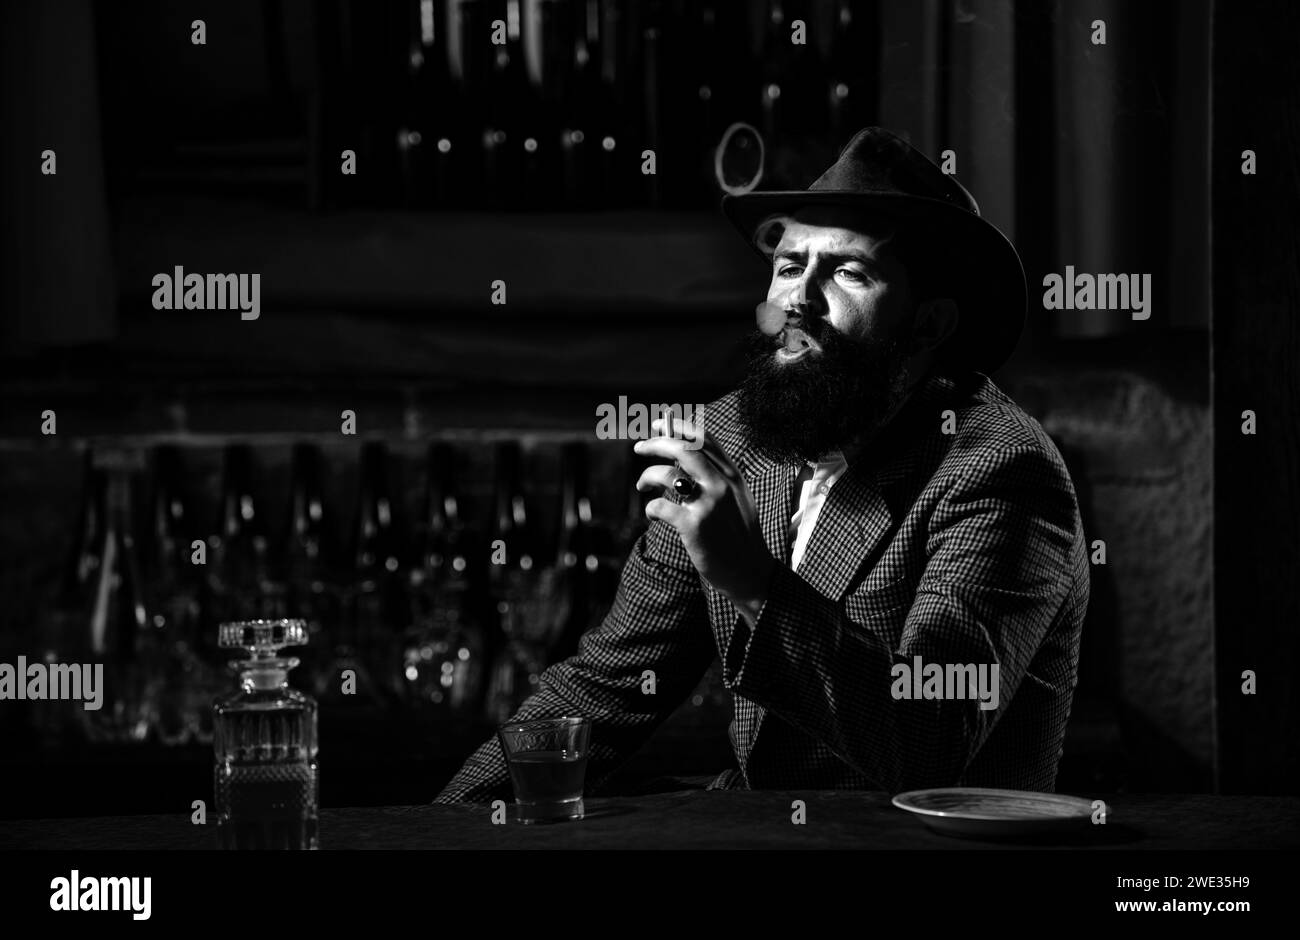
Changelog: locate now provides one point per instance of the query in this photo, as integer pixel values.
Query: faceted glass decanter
(265, 779)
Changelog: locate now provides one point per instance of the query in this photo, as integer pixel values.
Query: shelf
(391, 313)
(610, 264)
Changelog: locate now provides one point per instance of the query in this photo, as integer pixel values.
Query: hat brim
(988, 278)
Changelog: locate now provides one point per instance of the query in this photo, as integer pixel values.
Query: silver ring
(685, 486)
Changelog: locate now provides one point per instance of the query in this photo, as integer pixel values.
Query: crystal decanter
(265, 777)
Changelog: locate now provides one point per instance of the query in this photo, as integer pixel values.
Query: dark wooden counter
(698, 819)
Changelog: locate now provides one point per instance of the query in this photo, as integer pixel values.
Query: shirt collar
(834, 462)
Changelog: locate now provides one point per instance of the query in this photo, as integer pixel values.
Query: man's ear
(935, 320)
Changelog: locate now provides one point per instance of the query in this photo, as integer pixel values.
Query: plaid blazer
(958, 545)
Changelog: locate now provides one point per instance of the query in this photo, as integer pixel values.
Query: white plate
(977, 812)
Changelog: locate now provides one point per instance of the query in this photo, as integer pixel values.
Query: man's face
(837, 368)
(830, 269)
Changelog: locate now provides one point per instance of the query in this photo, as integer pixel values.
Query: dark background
(1123, 157)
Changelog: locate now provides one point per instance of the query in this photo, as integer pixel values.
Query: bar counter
(700, 819)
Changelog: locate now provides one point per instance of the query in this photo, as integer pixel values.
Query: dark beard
(827, 401)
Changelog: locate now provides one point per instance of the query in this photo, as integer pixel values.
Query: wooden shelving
(440, 265)
(393, 312)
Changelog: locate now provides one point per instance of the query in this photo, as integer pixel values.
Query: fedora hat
(880, 172)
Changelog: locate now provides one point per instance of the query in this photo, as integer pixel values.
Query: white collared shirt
(816, 487)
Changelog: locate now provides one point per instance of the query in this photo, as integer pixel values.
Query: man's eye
(789, 270)
(853, 275)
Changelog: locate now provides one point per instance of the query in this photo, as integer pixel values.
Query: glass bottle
(716, 67)
(376, 609)
(450, 147)
(590, 129)
(188, 683)
(239, 578)
(265, 774)
(443, 656)
(471, 61)
(850, 89)
(414, 176)
(618, 57)
(514, 545)
(506, 98)
(526, 136)
(518, 585)
(85, 559)
(776, 61)
(118, 621)
(577, 558)
(64, 625)
(549, 86)
(431, 141)
(310, 559)
(792, 96)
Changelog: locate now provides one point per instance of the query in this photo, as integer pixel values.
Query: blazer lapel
(772, 489)
(851, 526)
(775, 497)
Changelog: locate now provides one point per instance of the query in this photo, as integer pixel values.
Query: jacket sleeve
(659, 622)
(999, 555)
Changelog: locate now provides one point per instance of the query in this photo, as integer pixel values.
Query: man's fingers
(670, 425)
(659, 476)
(665, 511)
(691, 461)
(697, 439)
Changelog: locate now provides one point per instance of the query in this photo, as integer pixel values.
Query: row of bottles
(457, 621)
(555, 106)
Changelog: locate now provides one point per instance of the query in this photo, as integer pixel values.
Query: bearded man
(859, 530)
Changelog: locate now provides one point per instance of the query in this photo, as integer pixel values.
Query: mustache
(761, 346)
(816, 327)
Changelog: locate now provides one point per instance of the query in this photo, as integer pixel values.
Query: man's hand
(719, 528)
